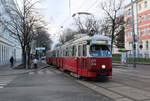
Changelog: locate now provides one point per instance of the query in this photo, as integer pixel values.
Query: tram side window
(84, 50)
(64, 52)
(73, 50)
(57, 53)
(70, 51)
(79, 50)
(67, 53)
(60, 53)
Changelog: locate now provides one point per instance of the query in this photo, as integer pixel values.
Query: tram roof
(86, 38)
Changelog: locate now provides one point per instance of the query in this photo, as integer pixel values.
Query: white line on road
(40, 72)
(6, 80)
(3, 84)
(31, 73)
(48, 72)
(1, 87)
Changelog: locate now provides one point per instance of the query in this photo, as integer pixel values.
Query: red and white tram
(88, 56)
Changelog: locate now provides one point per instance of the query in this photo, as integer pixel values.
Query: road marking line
(57, 72)
(49, 72)
(1, 87)
(3, 84)
(40, 72)
(31, 73)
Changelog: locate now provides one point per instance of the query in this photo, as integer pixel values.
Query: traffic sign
(40, 48)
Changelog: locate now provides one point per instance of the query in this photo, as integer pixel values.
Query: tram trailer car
(88, 56)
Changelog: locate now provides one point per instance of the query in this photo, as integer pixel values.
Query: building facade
(9, 45)
(141, 14)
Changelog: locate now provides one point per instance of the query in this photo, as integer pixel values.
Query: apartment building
(9, 45)
(141, 14)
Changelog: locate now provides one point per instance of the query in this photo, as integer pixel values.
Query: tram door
(79, 62)
(82, 61)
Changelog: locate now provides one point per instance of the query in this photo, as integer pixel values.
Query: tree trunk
(112, 33)
(23, 56)
(29, 57)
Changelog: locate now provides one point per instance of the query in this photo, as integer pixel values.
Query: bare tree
(20, 21)
(68, 34)
(112, 9)
(42, 38)
(119, 39)
(84, 25)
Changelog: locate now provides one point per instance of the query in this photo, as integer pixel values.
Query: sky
(58, 13)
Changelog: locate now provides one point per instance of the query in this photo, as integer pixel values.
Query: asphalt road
(45, 85)
(50, 84)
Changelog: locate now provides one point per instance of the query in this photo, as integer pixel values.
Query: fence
(142, 56)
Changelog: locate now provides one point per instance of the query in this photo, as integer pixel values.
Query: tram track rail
(105, 91)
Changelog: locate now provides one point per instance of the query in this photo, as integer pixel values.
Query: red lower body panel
(87, 66)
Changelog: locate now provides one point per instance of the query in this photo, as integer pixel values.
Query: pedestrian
(11, 61)
(35, 62)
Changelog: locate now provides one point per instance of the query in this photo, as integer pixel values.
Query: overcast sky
(57, 12)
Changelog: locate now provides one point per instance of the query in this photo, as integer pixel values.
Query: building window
(139, 19)
(145, 4)
(145, 31)
(145, 17)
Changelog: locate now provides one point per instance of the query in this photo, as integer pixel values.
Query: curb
(26, 71)
(118, 62)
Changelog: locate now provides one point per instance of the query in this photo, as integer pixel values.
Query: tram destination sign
(40, 48)
(102, 41)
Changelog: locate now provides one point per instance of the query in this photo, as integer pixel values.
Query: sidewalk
(144, 67)
(7, 70)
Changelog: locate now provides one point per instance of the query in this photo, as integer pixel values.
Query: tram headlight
(103, 66)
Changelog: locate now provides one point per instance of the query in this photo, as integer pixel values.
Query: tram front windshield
(100, 51)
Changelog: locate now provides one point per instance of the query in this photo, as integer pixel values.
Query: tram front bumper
(100, 70)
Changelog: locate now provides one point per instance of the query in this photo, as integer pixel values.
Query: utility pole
(69, 7)
(133, 35)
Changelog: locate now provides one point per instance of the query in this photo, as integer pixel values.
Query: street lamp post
(133, 35)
